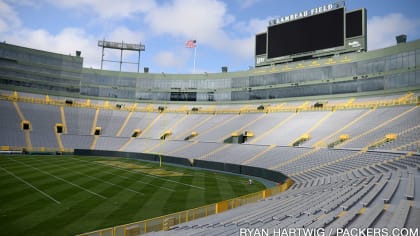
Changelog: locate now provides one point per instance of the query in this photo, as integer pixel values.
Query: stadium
(322, 136)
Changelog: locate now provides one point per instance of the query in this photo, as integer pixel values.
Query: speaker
(224, 69)
(401, 38)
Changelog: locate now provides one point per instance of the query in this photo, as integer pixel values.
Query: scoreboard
(318, 32)
(307, 34)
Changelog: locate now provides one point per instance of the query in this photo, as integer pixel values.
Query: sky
(223, 29)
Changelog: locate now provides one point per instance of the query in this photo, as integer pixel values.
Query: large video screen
(308, 34)
(354, 24)
(260, 44)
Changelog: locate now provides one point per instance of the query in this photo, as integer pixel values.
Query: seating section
(293, 128)
(198, 150)
(407, 140)
(217, 131)
(43, 119)
(111, 121)
(169, 147)
(188, 125)
(77, 141)
(334, 123)
(163, 122)
(10, 125)
(332, 203)
(215, 128)
(364, 181)
(235, 153)
(364, 127)
(270, 122)
(277, 155)
(79, 121)
(400, 215)
(397, 120)
(138, 120)
(110, 143)
(140, 145)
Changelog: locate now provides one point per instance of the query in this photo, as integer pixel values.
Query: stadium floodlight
(121, 46)
(401, 38)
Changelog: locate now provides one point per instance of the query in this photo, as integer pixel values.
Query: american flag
(191, 43)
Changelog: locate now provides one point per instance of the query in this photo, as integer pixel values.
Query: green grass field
(67, 195)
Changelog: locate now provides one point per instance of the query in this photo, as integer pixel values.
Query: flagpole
(195, 54)
(192, 44)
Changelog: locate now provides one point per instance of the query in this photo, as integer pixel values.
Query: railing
(407, 99)
(166, 222)
(34, 149)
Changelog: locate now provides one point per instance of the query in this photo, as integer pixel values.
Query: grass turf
(67, 195)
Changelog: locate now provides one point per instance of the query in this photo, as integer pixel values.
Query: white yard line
(142, 173)
(169, 189)
(107, 182)
(121, 176)
(93, 177)
(59, 178)
(30, 185)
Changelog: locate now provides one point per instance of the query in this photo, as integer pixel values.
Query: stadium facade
(389, 69)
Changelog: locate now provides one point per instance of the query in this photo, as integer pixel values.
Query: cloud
(190, 19)
(27, 3)
(247, 3)
(123, 33)
(243, 48)
(258, 25)
(170, 59)
(8, 17)
(119, 34)
(207, 21)
(252, 26)
(67, 41)
(383, 29)
(106, 9)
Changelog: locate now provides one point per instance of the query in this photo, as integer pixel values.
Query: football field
(67, 195)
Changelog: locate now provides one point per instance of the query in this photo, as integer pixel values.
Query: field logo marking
(121, 176)
(142, 168)
(143, 173)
